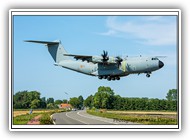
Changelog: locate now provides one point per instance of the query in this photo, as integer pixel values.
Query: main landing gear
(109, 78)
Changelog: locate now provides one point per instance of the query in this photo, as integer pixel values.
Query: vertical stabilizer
(55, 48)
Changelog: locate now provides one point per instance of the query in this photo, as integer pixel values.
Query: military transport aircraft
(104, 66)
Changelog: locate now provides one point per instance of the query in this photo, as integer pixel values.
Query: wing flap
(81, 57)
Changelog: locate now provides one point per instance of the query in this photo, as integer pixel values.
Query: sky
(89, 35)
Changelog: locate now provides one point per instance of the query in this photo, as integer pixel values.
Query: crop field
(140, 117)
(25, 112)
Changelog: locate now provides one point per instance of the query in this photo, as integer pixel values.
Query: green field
(140, 117)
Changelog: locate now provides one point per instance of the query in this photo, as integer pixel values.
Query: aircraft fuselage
(130, 65)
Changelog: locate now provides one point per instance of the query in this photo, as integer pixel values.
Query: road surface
(81, 117)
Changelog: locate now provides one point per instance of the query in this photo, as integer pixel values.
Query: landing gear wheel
(109, 78)
(147, 75)
(113, 78)
(100, 77)
(105, 77)
(117, 78)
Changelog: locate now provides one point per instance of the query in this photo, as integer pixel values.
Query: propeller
(105, 56)
(118, 60)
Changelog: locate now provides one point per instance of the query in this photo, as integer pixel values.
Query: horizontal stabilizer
(43, 42)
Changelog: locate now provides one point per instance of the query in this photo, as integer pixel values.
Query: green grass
(24, 119)
(141, 119)
(45, 118)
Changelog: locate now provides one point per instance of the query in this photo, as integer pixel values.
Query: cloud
(108, 33)
(148, 30)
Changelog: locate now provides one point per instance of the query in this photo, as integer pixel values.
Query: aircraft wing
(81, 57)
(97, 59)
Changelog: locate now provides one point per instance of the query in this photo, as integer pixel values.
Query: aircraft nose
(161, 64)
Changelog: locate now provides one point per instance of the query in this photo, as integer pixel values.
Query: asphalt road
(81, 117)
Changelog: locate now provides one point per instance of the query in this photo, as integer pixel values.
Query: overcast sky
(90, 35)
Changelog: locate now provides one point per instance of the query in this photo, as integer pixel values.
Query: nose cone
(161, 64)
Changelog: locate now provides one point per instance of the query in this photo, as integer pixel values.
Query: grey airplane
(103, 66)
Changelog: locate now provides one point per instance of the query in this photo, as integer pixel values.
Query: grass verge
(45, 119)
(24, 119)
(141, 119)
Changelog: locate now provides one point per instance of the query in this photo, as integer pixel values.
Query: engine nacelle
(98, 59)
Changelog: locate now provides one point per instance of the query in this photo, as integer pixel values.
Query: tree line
(104, 98)
(32, 100)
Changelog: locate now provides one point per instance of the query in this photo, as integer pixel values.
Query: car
(74, 109)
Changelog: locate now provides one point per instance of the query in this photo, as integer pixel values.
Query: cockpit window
(154, 58)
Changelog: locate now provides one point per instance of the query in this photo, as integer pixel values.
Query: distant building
(65, 106)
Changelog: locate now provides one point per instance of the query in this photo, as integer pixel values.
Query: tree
(172, 95)
(43, 103)
(65, 101)
(43, 99)
(23, 99)
(163, 104)
(50, 100)
(97, 100)
(89, 102)
(75, 102)
(57, 102)
(35, 104)
(81, 100)
(104, 98)
(50, 106)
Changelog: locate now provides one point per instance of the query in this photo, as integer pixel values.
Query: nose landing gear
(148, 74)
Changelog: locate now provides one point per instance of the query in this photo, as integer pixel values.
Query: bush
(46, 119)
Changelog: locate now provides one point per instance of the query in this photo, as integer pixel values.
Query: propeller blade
(105, 56)
(118, 60)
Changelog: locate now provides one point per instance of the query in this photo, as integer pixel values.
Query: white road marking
(52, 119)
(74, 118)
(95, 118)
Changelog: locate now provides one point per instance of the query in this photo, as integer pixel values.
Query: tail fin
(55, 48)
